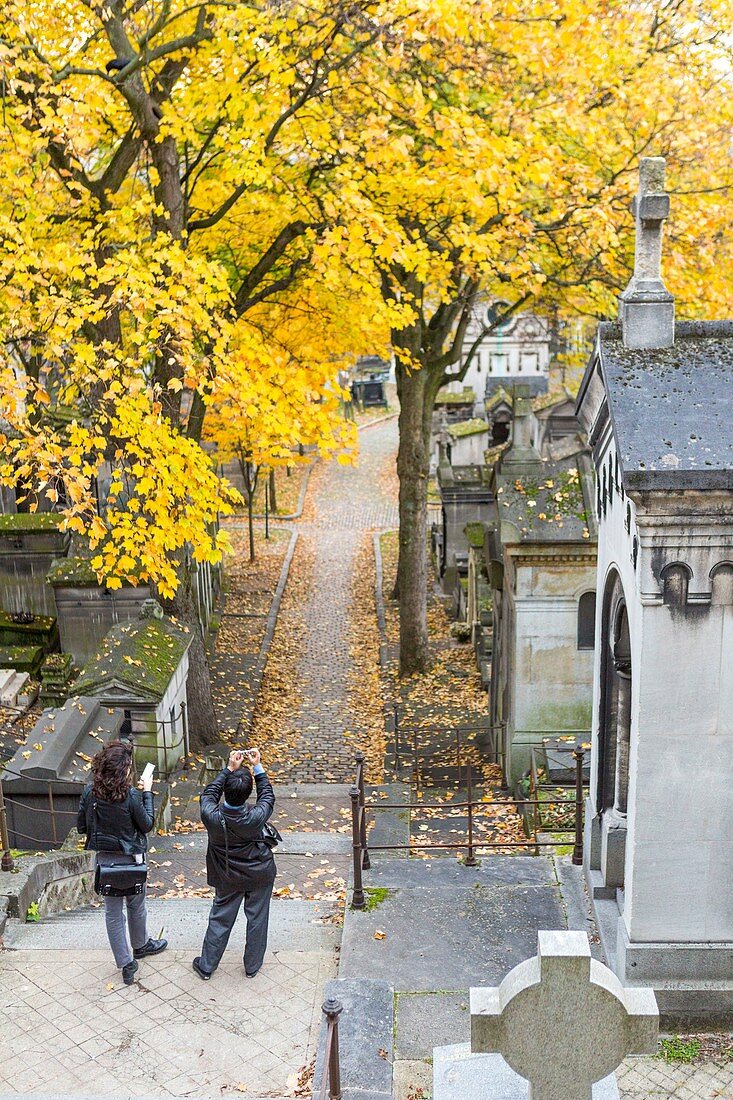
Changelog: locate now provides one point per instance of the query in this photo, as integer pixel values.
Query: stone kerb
(562, 1020)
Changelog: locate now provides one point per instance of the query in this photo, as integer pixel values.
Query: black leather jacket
(240, 861)
(119, 826)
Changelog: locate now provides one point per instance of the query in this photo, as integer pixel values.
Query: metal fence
(456, 745)
(473, 807)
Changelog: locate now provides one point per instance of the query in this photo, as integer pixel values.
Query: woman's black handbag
(120, 880)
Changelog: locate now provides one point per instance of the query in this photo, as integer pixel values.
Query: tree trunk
(412, 470)
(250, 522)
(250, 474)
(203, 727)
(273, 490)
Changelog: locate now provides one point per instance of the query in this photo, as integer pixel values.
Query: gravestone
(556, 1028)
(87, 610)
(29, 542)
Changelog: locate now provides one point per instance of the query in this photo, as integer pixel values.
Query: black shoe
(203, 974)
(129, 972)
(152, 947)
(253, 973)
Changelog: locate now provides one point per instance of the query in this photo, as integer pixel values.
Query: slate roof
(672, 408)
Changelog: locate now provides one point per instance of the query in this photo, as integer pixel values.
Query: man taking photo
(239, 864)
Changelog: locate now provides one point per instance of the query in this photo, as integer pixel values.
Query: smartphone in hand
(147, 776)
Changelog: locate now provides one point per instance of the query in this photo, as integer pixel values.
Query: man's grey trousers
(223, 915)
(114, 916)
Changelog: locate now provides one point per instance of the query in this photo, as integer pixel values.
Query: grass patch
(678, 1050)
(374, 896)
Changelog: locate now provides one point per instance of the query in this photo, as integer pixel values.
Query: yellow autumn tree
(159, 181)
(491, 149)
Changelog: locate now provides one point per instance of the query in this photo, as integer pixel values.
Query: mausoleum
(142, 670)
(657, 404)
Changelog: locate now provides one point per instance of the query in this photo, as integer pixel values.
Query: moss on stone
(444, 397)
(374, 896)
(72, 573)
(475, 534)
(143, 655)
(21, 523)
(465, 428)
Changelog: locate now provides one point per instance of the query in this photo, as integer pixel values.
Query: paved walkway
(348, 502)
(69, 1027)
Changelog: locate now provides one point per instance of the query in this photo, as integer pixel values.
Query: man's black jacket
(119, 826)
(250, 864)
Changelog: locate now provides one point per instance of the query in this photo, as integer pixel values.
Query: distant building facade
(517, 351)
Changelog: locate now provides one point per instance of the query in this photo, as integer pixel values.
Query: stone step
(294, 924)
(294, 843)
(13, 688)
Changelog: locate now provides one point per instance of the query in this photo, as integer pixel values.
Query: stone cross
(647, 307)
(562, 1020)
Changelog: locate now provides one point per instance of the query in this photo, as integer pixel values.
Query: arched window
(722, 584)
(587, 620)
(675, 581)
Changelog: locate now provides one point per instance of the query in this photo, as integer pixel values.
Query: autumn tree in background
(268, 412)
(490, 149)
(160, 165)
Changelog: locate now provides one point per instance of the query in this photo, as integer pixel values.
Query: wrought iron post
(579, 755)
(332, 1009)
(184, 719)
(6, 862)
(358, 900)
(470, 858)
(360, 767)
(52, 812)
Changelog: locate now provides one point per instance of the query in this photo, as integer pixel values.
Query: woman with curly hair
(115, 815)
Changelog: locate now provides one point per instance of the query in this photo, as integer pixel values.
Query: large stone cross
(647, 307)
(562, 1020)
(650, 207)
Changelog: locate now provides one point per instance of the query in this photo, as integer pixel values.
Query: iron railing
(359, 825)
(410, 740)
(331, 1084)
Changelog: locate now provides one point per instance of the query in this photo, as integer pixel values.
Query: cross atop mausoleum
(646, 306)
(562, 1020)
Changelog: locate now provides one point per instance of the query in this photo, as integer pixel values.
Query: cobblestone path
(348, 502)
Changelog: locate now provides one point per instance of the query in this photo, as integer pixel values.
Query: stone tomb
(541, 559)
(142, 668)
(44, 780)
(657, 404)
(556, 1028)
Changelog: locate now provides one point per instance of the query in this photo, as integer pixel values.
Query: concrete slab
(426, 1020)
(447, 927)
